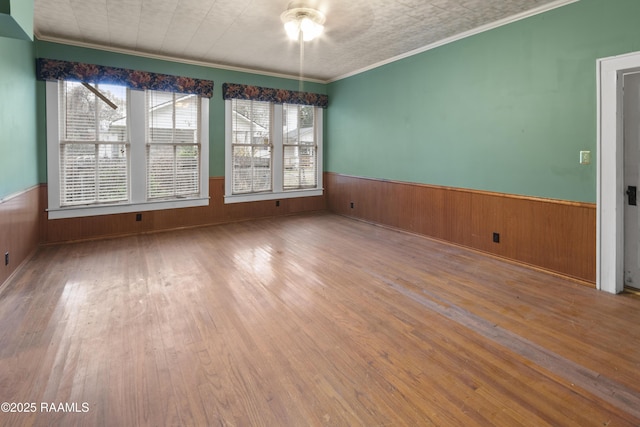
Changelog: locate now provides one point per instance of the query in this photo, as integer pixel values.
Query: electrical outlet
(585, 157)
(6, 258)
(351, 205)
(496, 237)
(138, 217)
(277, 203)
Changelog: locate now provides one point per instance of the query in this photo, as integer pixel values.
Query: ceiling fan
(302, 23)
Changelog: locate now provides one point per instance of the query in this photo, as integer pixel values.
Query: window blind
(299, 147)
(94, 145)
(173, 145)
(251, 146)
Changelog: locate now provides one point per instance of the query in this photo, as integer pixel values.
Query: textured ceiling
(248, 34)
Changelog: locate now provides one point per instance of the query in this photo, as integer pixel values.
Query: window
(251, 147)
(273, 150)
(144, 154)
(173, 147)
(94, 151)
(299, 147)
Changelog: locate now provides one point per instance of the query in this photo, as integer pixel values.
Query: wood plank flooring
(311, 320)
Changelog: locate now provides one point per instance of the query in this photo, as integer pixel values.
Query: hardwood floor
(311, 320)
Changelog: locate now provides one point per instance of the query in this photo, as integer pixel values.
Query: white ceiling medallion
(302, 23)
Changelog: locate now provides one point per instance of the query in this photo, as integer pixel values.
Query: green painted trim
(16, 19)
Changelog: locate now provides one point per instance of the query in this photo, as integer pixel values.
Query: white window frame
(278, 191)
(138, 165)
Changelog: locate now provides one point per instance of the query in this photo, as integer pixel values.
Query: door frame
(610, 170)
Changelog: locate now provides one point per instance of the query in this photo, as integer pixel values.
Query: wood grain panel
(19, 229)
(71, 229)
(555, 235)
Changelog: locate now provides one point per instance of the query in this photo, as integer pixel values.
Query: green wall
(507, 110)
(18, 148)
(216, 106)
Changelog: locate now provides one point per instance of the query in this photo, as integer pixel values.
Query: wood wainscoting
(19, 232)
(85, 228)
(555, 235)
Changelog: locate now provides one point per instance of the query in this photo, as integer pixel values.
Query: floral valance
(277, 96)
(51, 69)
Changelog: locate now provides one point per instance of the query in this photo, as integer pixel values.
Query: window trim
(277, 191)
(137, 201)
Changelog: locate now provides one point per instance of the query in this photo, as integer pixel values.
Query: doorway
(611, 190)
(631, 143)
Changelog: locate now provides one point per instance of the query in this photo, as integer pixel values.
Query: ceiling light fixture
(302, 23)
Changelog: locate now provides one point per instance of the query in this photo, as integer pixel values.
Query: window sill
(256, 197)
(82, 211)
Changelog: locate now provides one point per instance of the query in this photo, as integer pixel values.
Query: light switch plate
(585, 157)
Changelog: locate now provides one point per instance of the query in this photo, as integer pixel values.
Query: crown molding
(173, 59)
(506, 21)
(502, 22)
